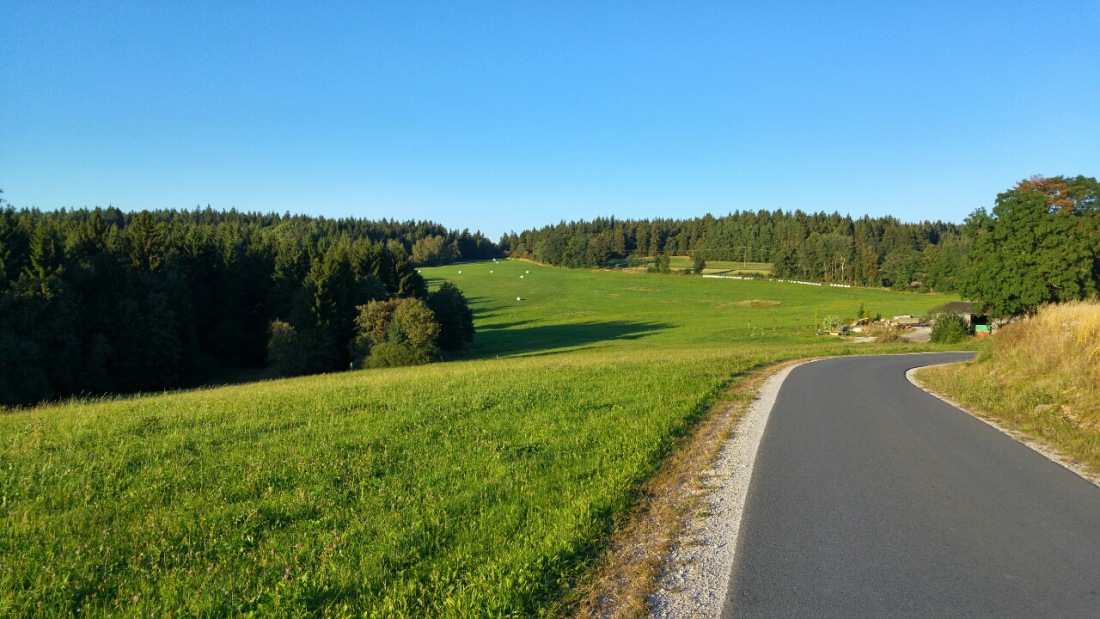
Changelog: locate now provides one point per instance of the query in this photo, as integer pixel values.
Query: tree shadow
(500, 340)
(503, 325)
(480, 307)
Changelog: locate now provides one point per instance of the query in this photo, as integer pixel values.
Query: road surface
(870, 498)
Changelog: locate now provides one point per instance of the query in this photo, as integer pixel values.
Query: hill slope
(471, 488)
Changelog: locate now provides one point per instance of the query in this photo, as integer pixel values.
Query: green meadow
(483, 486)
(713, 267)
(529, 309)
(722, 267)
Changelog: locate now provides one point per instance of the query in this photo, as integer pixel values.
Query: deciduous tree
(1034, 248)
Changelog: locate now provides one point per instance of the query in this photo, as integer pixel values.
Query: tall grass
(485, 487)
(1040, 375)
(476, 489)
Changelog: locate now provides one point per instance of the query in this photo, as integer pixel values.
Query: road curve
(871, 498)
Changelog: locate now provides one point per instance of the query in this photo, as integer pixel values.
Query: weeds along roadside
(1039, 376)
(627, 572)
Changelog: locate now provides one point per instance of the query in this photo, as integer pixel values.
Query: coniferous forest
(869, 251)
(97, 301)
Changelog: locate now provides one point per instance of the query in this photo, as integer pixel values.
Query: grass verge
(628, 572)
(1039, 376)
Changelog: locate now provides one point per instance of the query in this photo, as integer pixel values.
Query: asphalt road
(871, 498)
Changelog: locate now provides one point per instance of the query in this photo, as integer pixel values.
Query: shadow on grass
(480, 307)
(506, 340)
(503, 325)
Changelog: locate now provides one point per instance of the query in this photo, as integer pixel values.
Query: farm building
(977, 323)
(964, 309)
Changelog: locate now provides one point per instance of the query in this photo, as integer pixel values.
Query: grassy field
(523, 308)
(481, 487)
(722, 267)
(1040, 376)
(713, 267)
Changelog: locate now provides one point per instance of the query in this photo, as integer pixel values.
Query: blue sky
(511, 115)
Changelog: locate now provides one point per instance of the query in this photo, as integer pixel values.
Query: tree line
(1039, 244)
(98, 300)
(878, 251)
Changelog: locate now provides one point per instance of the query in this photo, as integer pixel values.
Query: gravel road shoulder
(695, 577)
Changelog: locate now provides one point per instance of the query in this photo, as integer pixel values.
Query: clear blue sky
(510, 115)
